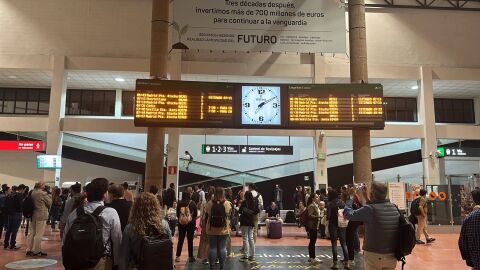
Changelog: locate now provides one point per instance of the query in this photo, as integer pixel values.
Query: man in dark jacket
(13, 206)
(119, 203)
(381, 219)
(278, 196)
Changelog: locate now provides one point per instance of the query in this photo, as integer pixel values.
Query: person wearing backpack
(187, 216)
(259, 199)
(381, 220)
(14, 211)
(93, 233)
(337, 226)
(41, 202)
(75, 193)
(313, 220)
(248, 209)
(218, 227)
(147, 240)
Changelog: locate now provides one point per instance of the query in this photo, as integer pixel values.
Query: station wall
(20, 167)
(121, 28)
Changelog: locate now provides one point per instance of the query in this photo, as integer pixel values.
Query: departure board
(340, 106)
(165, 103)
(183, 104)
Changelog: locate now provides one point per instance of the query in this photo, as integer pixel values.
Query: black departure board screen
(183, 104)
(165, 103)
(335, 106)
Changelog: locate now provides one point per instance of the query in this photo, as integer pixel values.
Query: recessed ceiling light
(119, 79)
(12, 77)
(415, 87)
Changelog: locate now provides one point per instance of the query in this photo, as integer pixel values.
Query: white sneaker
(318, 260)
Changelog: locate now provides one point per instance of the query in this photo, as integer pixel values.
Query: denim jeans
(14, 222)
(248, 243)
(340, 233)
(54, 212)
(217, 249)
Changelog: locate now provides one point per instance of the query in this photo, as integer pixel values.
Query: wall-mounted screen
(281, 106)
(49, 162)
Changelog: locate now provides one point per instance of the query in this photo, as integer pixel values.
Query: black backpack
(218, 217)
(415, 207)
(156, 252)
(406, 239)
(84, 247)
(28, 206)
(290, 217)
(196, 197)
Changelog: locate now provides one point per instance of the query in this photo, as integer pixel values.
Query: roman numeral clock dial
(261, 105)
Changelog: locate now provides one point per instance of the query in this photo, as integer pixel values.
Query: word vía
(257, 39)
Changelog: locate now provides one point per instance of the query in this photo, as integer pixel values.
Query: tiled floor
(442, 254)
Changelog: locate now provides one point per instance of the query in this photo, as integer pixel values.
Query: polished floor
(290, 252)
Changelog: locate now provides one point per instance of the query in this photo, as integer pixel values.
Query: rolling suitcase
(275, 229)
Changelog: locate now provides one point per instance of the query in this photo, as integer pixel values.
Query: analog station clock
(261, 105)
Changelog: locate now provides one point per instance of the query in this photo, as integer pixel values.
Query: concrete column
(173, 155)
(158, 69)
(426, 115)
(476, 107)
(56, 113)
(362, 160)
(320, 176)
(118, 103)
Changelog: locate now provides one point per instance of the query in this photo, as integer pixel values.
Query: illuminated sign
(21, 145)
(166, 103)
(49, 162)
(458, 152)
(247, 149)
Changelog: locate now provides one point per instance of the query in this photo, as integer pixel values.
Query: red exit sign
(21, 145)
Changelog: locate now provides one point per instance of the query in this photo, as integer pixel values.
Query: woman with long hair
(218, 227)
(55, 209)
(202, 253)
(145, 219)
(248, 209)
(186, 225)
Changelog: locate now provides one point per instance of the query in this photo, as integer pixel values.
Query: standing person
(307, 193)
(352, 228)
(170, 196)
(335, 204)
(13, 207)
(55, 209)
(3, 215)
(195, 195)
(248, 209)
(203, 247)
(298, 213)
(42, 202)
(172, 218)
(145, 220)
(75, 193)
(187, 160)
(154, 191)
(323, 195)
(313, 220)
(278, 196)
(187, 215)
(201, 194)
(259, 199)
(323, 218)
(381, 220)
(422, 219)
(127, 194)
(110, 225)
(119, 203)
(229, 198)
(27, 192)
(218, 228)
(469, 241)
(299, 196)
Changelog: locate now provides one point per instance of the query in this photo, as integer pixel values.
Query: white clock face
(261, 105)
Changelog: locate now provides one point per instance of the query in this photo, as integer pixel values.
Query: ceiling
(93, 79)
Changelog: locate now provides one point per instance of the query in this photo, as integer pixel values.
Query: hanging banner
(260, 25)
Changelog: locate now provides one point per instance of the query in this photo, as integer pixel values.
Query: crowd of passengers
(212, 214)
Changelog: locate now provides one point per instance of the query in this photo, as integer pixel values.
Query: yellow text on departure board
(161, 106)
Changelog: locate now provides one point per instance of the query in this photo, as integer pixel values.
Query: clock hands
(263, 104)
